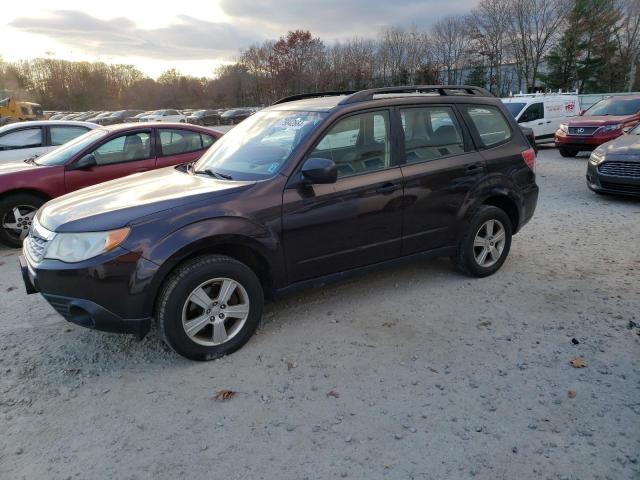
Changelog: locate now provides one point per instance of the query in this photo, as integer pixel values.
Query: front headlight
(610, 128)
(564, 127)
(76, 247)
(596, 157)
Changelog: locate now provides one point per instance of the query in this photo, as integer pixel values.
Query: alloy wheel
(17, 221)
(215, 311)
(489, 243)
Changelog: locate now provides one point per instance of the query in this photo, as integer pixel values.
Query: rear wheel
(568, 152)
(210, 307)
(16, 215)
(486, 242)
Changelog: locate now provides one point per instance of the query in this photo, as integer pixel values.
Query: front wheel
(485, 244)
(16, 215)
(210, 307)
(568, 152)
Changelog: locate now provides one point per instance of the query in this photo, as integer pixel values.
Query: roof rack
(445, 90)
(302, 96)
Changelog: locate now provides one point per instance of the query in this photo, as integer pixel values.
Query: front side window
(61, 135)
(175, 142)
(23, 138)
(535, 111)
(125, 148)
(490, 124)
(257, 148)
(430, 133)
(357, 144)
(514, 107)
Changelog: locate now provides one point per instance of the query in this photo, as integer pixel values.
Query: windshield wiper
(211, 173)
(32, 159)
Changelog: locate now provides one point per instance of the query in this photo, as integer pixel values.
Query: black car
(205, 117)
(121, 116)
(317, 187)
(235, 116)
(614, 167)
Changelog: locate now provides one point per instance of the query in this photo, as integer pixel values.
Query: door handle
(476, 167)
(541, 123)
(387, 188)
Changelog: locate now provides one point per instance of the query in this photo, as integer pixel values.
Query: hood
(17, 166)
(626, 145)
(117, 203)
(598, 120)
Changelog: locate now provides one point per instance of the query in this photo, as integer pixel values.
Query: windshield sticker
(273, 167)
(295, 123)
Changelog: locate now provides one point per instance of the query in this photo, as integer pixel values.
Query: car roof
(50, 123)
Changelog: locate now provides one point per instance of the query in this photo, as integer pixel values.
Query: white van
(543, 112)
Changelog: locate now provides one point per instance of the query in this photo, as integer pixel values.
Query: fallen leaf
(223, 395)
(578, 363)
(571, 393)
(434, 370)
(485, 323)
(289, 365)
(11, 289)
(333, 394)
(390, 323)
(71, 371)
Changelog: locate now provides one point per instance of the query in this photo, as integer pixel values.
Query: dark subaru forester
(312, 189)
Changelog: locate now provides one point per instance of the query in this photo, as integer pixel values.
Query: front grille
(35, 247)
(582, 130)
(620, 169)
(635, 189)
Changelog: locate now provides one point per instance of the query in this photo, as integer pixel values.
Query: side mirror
(85, 163)
(320, 170)
(582, 112)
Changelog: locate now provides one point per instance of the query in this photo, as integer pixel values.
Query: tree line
(502, 45)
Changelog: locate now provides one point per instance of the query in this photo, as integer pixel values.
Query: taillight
(529, 157)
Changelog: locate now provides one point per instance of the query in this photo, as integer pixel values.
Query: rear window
(490, 124)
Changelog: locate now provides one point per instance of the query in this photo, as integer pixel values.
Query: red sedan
(97, 156)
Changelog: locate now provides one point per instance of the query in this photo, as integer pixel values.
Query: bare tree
(490, 27)
(451, 40)
(628, 39)
(534, 28)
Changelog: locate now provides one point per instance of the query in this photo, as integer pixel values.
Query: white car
(23, 140)
(164, 116)
(543, 113)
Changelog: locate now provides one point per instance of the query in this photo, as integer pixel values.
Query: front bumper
(601, 183)
(586, 142)
(108, 296)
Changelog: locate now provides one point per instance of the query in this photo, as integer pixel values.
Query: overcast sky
(194, 36)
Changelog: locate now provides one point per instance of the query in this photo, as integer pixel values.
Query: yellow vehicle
(13, 111)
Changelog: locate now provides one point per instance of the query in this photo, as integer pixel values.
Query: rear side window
(61, 135)
(207, 140)
(175, 142)
(430, 133)
(24, 138)
(490, 124)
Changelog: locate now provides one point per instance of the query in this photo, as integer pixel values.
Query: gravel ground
(414, 372)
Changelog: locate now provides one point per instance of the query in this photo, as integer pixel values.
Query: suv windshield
(615, 106)
(514, 108)
(63, 154)
(258, 147)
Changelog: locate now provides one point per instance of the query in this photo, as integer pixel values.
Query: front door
(117, 157)
(357, 220)
(440, 167)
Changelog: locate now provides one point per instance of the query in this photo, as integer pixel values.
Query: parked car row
(203, 117)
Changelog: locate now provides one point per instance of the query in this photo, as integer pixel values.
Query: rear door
(357, 220)
(116, 157)
(440, 167)
(176, 146)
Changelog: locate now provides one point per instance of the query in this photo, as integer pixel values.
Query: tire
(568, 152)
(175, 306)
(182, 121)
(27, 205)
(466, 258)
